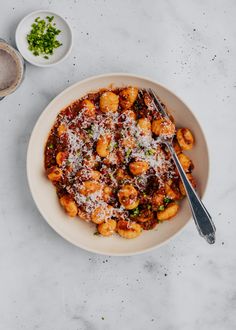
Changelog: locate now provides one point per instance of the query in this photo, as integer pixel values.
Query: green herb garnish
(113, 145)
(135, 212)
(150, 152)
(96, 233)
(50, 146)
(128, 152)
(149, 207)
(167, 200)
(161, 208)
(42, 38)
(90, 131)
(50, 18)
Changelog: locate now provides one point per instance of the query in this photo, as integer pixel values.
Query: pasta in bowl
(129, 189)
(105, 158)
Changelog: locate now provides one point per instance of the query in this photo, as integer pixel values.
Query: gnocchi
(128, 197)
(61, 129)
(163, 127)
(109, 102)
(138, 167)
(107, 228)
(54, 173)
(128, 229)
(144, 125)
(169, 212)
(185, 138)
(172, 191)
(101, 214)
(185, 162)
(89, 187)
(61, 157)
(69, 205)
(145, 215)
(105, 157)
(88, 108)
(102, 147)
(128, 97)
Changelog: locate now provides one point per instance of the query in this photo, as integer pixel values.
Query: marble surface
(46, 283)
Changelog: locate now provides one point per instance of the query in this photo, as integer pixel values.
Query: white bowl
(79, 232)
(65, 37)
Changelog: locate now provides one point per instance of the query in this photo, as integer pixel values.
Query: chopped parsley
(128, 152)
(113, 145)
(135, 212)
(161, 208)
(149, 207)
(51, 146)
(90, 131)
(167, 200)
(42, 39)
(150, 152)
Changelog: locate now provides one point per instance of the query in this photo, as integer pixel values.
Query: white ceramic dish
(65, 37)
(79, 232)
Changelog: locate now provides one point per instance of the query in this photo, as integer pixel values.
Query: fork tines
(157, 103)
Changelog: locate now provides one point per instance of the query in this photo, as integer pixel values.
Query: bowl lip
(22, 21)
(116, 254)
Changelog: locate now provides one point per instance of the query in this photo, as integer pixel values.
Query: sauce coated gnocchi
(109, 167)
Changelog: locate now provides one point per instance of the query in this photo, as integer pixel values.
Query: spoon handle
(200, 214)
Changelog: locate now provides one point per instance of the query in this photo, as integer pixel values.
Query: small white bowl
(65, 37)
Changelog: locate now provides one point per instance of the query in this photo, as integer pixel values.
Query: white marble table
(46, 283)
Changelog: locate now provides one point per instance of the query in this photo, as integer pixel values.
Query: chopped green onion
(161, 208)
(113, 145)
(50, 19)
(149, 207)
(150, 152)
(50, 146)
(128, 152)
(167, 200)
(42, 37)
(135, 212)
(90, 131)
